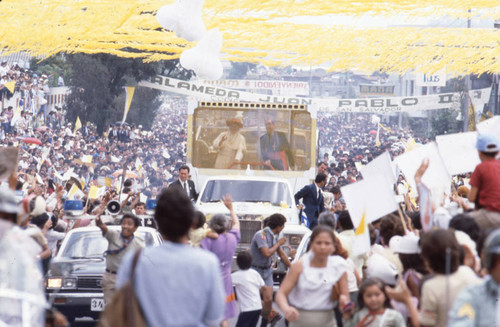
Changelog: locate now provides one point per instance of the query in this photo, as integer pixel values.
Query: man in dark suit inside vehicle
(184, 184)
(312, 199)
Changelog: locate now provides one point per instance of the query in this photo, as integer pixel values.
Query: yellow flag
(387, 129)
(361, 228)
(78, 124)
(411, 144)
(93, 192)
(107, 182)
(361, 244)
(472, 118)
(10, 86)
(129, 91)
(72, 191)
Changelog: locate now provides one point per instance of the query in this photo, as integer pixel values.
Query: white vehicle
(254, 199)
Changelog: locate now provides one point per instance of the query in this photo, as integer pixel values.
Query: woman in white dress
(315, 284)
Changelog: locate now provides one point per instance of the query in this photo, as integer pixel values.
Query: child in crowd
(485, 183)
(375, 307)
(200, 230)
(249, 285)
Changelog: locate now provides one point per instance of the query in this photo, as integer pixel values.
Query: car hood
(77, 267)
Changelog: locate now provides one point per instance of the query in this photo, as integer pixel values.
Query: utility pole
(467, 86)
(496, 82)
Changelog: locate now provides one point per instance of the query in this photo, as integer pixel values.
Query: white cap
(407, 244)
(380, 267)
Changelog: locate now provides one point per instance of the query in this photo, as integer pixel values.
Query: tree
(143, 108)
(98, 82)
(52, 67)
(444, 121)
(91, 96)
(240, 69)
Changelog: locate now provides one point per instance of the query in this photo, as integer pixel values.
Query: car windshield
(91, 244)
(247, 191)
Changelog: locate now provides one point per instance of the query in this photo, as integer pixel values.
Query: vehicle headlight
(54, 283)
(69, 283)
(61, 283)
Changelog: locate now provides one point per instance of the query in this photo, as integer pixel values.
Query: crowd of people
(31, 99)
(445, 276)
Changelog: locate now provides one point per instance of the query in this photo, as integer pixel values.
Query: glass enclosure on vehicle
(264, 136)
(275, 193)
(91, 244)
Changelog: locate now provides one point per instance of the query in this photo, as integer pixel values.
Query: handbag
(124, 309)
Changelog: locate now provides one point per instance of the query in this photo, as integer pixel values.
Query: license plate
(96, 304)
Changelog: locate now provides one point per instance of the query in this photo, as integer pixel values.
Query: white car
(254, 199)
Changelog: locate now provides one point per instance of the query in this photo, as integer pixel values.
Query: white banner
(377, 105)
(458, 152)
(436, 176)
(371, 197)
(284, 87)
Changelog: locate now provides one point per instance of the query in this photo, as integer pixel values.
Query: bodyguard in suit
(184, 184)
(312, 199)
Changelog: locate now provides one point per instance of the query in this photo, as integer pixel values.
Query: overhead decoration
(279, 32)
(183, 17)
(203, 59)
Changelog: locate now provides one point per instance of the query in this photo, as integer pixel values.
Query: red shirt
(486, 177)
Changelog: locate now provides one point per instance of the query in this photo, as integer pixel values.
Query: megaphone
(113, 208)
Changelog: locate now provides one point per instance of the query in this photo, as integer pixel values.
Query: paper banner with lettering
(277, 86)
(368, 197)
(459, 152)
(209, 92)
(436, 176)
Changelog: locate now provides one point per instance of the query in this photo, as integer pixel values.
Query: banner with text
(283, 87)
(376, 105)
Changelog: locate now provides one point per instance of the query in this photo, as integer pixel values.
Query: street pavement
(87, 322)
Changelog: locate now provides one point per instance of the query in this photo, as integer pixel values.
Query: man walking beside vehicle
(312, 198)
(265, 244)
